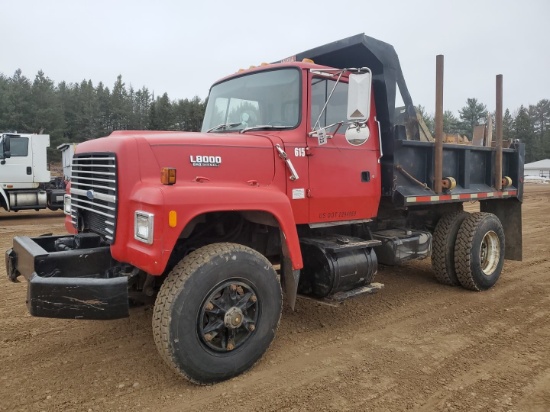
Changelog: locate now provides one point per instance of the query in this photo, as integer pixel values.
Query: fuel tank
(336, 264)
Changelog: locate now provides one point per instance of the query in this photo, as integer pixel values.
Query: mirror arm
(314, 132)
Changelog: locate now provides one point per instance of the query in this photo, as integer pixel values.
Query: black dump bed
(408, 165)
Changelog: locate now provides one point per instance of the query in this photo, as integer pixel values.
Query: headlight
(67, 204)
(143, 226)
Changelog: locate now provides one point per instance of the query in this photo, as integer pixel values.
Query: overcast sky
(181, 47)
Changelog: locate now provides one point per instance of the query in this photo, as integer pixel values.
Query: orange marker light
(172, 218)
(168, 176)
(307, 61)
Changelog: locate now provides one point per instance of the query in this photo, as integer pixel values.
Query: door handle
(284, 157)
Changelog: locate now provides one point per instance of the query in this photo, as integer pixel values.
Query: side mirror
(356, 136)
(6, 147)
(359, 94)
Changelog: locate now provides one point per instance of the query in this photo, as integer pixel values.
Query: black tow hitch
(72, 277)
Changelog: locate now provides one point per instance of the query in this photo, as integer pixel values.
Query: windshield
(269, 99)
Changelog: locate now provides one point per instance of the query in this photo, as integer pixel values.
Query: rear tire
(217, 312)
(443, 253)
(479, 251)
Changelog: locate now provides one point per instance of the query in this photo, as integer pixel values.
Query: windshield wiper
(223, 126)
(265, 127)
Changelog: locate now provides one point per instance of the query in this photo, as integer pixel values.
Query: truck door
(18, 167)
(344, 176)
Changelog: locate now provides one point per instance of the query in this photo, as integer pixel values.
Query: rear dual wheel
(443, 252)
(468, 250)
(479, 251)
(217, 312)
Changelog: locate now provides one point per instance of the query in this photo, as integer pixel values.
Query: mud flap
(290, 276)
(508, 212)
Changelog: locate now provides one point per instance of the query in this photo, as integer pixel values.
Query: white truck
(67, 153)
(25, 181)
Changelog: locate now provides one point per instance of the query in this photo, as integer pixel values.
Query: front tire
(217, 312)
(479, 251)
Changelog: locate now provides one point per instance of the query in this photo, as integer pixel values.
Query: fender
(5, 197)
(190, 201)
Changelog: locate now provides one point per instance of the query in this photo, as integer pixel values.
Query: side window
(19, 146)
(336, 107)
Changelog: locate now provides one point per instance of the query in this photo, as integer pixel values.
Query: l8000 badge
(205, 161)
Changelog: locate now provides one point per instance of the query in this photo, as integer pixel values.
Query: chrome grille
(94, 193)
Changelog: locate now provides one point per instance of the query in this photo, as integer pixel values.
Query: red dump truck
(301, 180)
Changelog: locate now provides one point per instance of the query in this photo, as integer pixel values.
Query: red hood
(227, 157)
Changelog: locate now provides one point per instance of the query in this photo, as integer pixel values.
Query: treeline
(529, 124)
(75, 112)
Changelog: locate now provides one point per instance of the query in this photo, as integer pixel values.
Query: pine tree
(47, 113)
(45, 106)
(141, 107)
(507, 126)
(3, 101)
(523, 130)
(104, 126)
(450, 123)
(120, 106)
(161, 114)
(18, 100)
(540, 120)
(471, 115)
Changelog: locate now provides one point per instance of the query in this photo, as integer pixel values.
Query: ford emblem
(90, 194)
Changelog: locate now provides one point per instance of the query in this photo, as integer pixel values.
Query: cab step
(338, 298)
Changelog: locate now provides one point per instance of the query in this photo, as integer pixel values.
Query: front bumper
(71, 283)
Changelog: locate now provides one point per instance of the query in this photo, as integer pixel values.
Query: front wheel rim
(228, 316)
(489, 253)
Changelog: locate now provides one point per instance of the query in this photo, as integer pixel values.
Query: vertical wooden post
(438, 155)
(498, 145)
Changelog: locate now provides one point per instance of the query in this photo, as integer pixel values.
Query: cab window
(19, 146)
(336, 107)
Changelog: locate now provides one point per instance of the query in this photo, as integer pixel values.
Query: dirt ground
(416, 345)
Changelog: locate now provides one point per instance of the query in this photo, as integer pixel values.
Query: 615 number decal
(300, 151)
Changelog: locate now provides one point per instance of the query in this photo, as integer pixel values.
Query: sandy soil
(416, 345)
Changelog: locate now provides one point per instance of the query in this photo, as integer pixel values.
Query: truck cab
(25, 181)
(302, 108)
